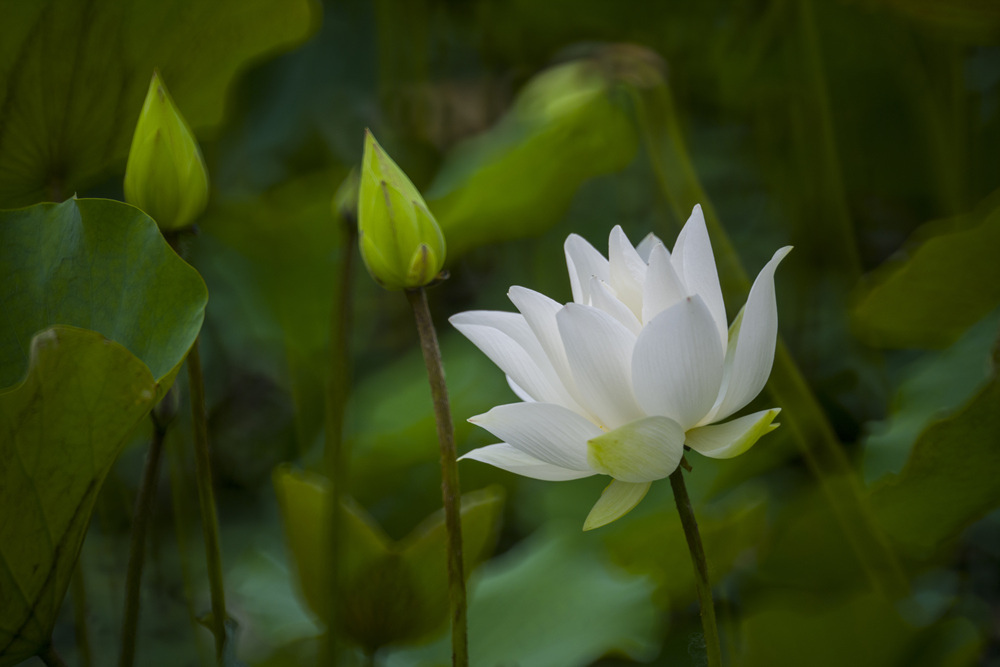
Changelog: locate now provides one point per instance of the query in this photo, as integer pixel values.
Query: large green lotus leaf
(73, 76)
(950, 479)
(60, 431)
(567, 126)
(947, 283)
(99, 265)
(391, 589)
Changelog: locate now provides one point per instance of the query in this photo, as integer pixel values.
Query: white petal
(617, 500)
(540, 313)
(748, 364)
(677, 363)
(602, 297)
(646, 245)
(627, 270)
(583, 262)
(695, 265)
(599, 350)
(519, 392)
(724, 441)
(662, 288)
(509, 342)
(514, 460)
(642, 451)
(548, 432)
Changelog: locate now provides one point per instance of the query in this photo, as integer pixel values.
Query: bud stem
(206, 499)
(702, 584)
(449, 475)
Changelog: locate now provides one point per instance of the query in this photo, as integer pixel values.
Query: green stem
(449, 475)
(137, 543)
(811, 431)
(336, 455)
(49, 656)
(206, 499)
(701, 581)
(80, 625)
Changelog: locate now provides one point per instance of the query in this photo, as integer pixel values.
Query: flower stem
(702, 584)
(206, 499)
(337, 456)
(140, 526)
(449, 475)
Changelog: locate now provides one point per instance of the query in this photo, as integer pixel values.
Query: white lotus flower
(641, 364)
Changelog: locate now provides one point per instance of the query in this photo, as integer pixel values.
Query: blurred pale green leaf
(569, 124)
(100, 265)
(551, 601)
(932, 388)
(73, 76)
(62, 429)
(394, 592)
(271, 262)
(949, 281)
(950, 478)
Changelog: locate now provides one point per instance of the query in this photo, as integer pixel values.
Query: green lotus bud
(401, 243)
(165, 175)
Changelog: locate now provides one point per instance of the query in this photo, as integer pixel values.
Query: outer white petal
(749, 364)
(677, 363)
(617, 500)
(724, 441)
(662, 288)
(540, 313)
(599, 350)
(602, 297)
(646, 245)
(514, 460)
(627, 270)
(548, 432)
(641, 451)
(509, 342)
(695, 265)
(583, 262)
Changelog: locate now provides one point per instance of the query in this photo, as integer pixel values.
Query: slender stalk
(80, 625)
(336, 455)
(701, 582)
(206, 499)
(137, 543)
(449, 475)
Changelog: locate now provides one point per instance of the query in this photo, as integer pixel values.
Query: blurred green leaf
(73, 76)
(63, 428)
(949, 281)
(863, 631)
(933, 388)
(271, 262)
(99, 265)
(950, 478)
(394, 592)
(551, 601)
(569, 124)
